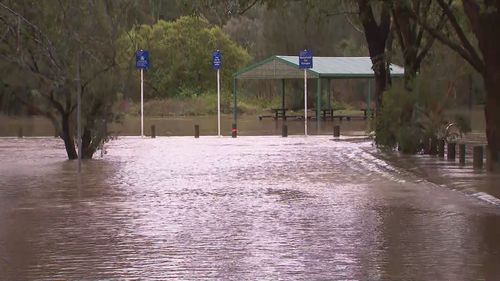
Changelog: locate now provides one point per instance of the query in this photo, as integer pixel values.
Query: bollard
(336, 131)
(234, 131)
(196, 131)
(20, 133)
(284, 132)
(477, 157)
(153, 131)
(451, 151)
(461, 153)
(441, 148)
(56, 134)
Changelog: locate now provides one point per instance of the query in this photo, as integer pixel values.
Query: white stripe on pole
(305, 102)
(218, 102)
(142, 102)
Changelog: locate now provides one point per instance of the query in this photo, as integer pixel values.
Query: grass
(207, 105)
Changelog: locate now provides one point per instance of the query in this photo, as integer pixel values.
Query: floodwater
(251, 208)
(248, 125)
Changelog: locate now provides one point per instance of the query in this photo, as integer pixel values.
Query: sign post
(305, 62)
(142, 63)
(216, 64)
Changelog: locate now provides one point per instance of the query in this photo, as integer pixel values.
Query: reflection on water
(251, 208)
(451, 173)
(248, 125)
(184, 126)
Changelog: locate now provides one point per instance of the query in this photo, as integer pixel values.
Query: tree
(377, 37)
(219, 11)
(46, 46)
(482, 18)
(183, 50)
(414, 41)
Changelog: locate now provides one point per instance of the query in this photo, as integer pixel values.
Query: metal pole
(79, 114)
(234, 127)
(305, 102)
(318, 101)
(79, 134)
(283, 94)
(329, 94)
(218, 102)
(142, 102)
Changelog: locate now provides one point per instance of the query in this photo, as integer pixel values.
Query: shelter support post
(283, 93)
(318, 100)
(369, 100)
(329, 93)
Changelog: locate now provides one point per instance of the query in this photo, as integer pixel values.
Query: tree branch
(48, 46)
(32, 107)
(430, 41)
(98, 73)
(460, 33)
(245, 9)
(478, 65)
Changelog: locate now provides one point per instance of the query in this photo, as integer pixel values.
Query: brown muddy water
(250, 208)
(248, 125)
(184, 126)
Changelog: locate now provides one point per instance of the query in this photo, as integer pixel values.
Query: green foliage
(45, 45)
(463, 123)
(181, 53)
(388, 121)
(411, 118)
(409, 138)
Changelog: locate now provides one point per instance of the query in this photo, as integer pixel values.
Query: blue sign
(305, 59)
(142, 59)
(216, 60)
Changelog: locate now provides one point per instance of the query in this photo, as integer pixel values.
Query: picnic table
(327, 113)
(365, 114)
(279, 113)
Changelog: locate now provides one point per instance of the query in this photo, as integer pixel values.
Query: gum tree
(183, 48)
(482, 52)
(49, 48)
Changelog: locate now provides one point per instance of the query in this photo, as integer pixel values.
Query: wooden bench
(277, 114)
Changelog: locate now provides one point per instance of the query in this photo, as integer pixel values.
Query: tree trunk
(492, 116)
(381, 74)
(376, 35)
(67, 137)
(89, 145)
(485, 23)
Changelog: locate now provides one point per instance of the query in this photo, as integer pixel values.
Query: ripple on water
(257, 208)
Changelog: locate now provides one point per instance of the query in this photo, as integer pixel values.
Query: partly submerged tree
(481, 18)
(377, 28)
(50, 50)
(414, 43)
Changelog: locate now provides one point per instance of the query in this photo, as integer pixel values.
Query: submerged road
(251, 208)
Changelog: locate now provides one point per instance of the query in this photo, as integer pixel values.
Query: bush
(409, 139)
(409, 119)
(181, 53)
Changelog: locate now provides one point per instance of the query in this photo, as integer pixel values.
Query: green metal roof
(287, 67)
